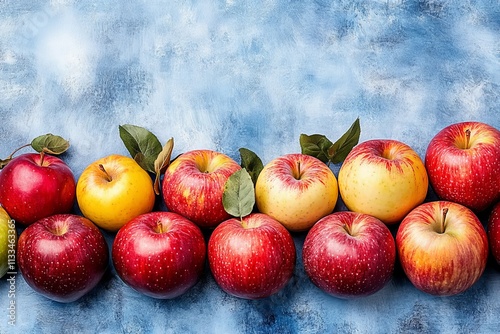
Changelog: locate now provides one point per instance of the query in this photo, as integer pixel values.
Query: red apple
(193, 185)
(160, 254)
(442, 247)
(253, 257)
(463, 163)
(36, 185)
(349, 254)
(62, 257)
(494, 232)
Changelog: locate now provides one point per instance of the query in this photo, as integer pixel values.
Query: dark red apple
(160, 254)
(494, 232)
(36, 185)
(253, 257)
(349, 254)
(62, 257)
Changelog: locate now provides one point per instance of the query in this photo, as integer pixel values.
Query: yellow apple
(7, 242)
(113, 190)
(296, 190)
(383, 178)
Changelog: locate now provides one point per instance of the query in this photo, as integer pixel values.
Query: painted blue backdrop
(229, 74)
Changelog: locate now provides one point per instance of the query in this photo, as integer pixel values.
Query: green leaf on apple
(319, 146)
(316, 145)
(50, 144)
(142, 145)
(238, 198)
(341, 148)
(251, 162)
(161, 163)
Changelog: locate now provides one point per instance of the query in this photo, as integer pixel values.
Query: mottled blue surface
(224, 75)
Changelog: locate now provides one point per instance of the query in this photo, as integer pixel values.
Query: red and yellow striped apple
(463, 163)
(297, 190)
(193, 185)
(384, 178)
(160, 254)
(113, 190)
(442, 247)
(253, 257)
(349, 254)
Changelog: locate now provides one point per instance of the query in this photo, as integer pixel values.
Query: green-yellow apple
(193, 185)
(463, 163)
(7, 243)
(297, 190)
(113, 190)
(383, 178)
(442, 247)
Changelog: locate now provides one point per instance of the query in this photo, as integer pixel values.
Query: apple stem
(108, 177)
(347, 229)
(4, 162)
(443, 221)
(299, 171)
(159, 228)
(467, 138)
(18, 149)
(42, 156)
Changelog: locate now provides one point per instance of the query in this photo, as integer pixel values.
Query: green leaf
(316, 145)
(142, 145)
(161, 163)
(251, 162)
(50, 144)
(239, 194)
(341, 148)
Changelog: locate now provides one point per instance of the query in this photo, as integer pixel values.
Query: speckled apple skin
(193, 185)
(349, 254)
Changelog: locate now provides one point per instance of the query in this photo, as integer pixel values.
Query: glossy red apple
(348, 254)
(193, 185)
(442, 247)
(251, 258)
(160, 254)
(62, 257)
(36, 185)
(463, 163)
(494, 232)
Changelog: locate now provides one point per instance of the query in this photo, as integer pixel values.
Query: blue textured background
(229, 74)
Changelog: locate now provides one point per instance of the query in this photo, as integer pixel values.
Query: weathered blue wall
(224, 75)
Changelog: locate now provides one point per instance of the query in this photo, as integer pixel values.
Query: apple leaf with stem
(238, 198)
(47, 143)
(319, 146)
(142, 145)
(251, 162)
(161, 163)
(50, 144)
